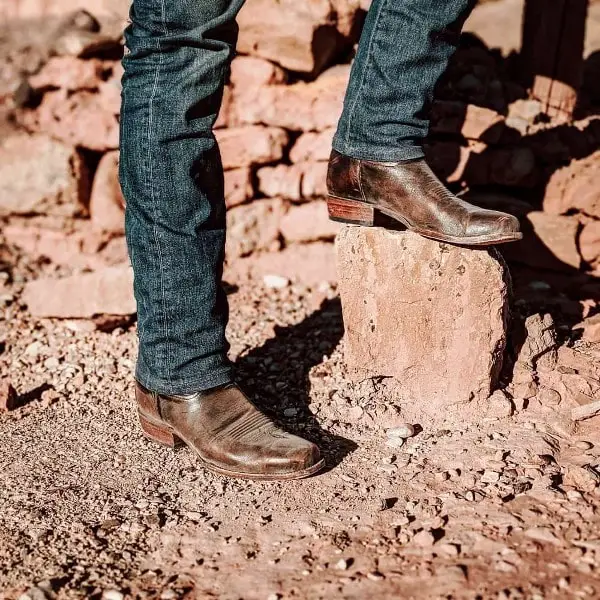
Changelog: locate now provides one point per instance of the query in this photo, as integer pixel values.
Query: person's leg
(178, 55)
(404, 48)
(172, 178)
(377, 164)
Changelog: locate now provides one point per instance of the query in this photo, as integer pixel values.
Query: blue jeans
(178, 57)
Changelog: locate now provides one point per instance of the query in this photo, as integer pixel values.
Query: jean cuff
(217, 378)
(396, 154)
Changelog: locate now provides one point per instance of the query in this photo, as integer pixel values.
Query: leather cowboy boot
(412, 195)
(229, 434)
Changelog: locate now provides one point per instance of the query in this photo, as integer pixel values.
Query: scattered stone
(498, 406)
(583, 445)
(584, 478)
(251, 71)
(39, 175)
(296, 182)
(490, 476)
(321, 31)
(112, 595)
(342, 564)
(275, 282)
(448, 550)
(107, 291)
(424, 539)
(253, 227)
(403, 430)
(82, 119)
(252, 145)
(539, 340)
(542, 534)
(238, 186)
(395, 442)
(107, 203)
(548, 397)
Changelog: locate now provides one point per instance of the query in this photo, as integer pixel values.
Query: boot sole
(163, 434)
(354, 212)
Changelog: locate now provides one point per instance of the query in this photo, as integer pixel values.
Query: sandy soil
(504, 508)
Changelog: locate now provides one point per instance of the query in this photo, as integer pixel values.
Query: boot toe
(299, 456)
(494, 225)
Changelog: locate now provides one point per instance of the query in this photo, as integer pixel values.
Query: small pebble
(395, 442)
(404, 431)
(112, 595)
(341, 564)
(583, 445)
(275, 282)
(490, 476)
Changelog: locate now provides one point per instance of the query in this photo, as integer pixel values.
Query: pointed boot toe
(490, 226)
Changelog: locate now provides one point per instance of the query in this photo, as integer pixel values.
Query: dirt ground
(499, 508)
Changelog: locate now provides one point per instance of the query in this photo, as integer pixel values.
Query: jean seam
(153, 197)
(364, 73)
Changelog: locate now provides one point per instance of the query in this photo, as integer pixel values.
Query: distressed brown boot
(412, 195)
(229, 434)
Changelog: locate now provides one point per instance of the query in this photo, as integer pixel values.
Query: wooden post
(552, 53)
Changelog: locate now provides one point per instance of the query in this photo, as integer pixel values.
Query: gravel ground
(500, 508)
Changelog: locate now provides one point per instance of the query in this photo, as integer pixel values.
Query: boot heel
(159, 433)
(350, 211)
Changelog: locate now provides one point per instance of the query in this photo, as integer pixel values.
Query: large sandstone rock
(39, 175)
(301, 36)
(430, 315)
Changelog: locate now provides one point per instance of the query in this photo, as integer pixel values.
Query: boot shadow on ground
(277, 376)
(542, 282)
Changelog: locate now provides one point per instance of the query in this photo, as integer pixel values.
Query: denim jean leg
(404, 48)
(178, 56)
